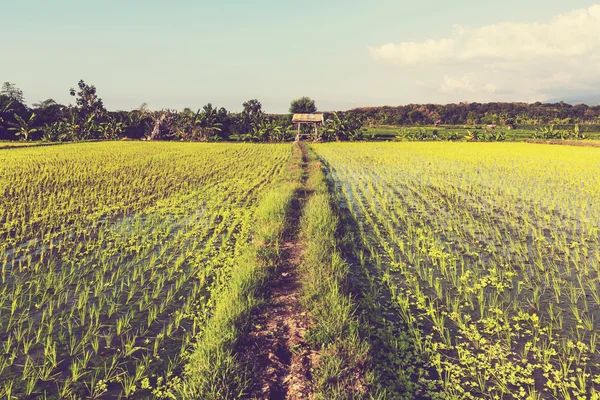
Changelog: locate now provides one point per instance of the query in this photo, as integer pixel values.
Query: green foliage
(113, 257)
(12, 93)
(303, 105)
(87, 101)
(468, 290)
(23, 129)
(268, 131)
(505, 115)
(251, 116)
(111, 128)
(348, 127)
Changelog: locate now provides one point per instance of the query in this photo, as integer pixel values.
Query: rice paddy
(490, 257)
(110, 255)
(433, 270)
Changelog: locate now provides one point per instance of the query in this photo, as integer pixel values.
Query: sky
(343, 54)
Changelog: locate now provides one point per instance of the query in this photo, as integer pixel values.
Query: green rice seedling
(7, 390)
(471, 197)
(81, 264)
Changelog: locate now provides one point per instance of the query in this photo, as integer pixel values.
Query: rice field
(429, 270)
(485, 259)
(110, 256)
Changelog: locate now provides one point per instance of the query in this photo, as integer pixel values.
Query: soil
(275, 348)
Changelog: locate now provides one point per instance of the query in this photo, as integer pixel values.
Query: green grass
(343, 369)
(212, 370)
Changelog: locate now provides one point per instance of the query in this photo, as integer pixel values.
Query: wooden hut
(316, 120)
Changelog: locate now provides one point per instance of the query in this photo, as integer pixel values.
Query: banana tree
(23, 128)
(260, 131)
(77, 129)
(547, 132)
(452, 136)
(403, 134)
(209, 121)
(577, 133)
(56, 131)
(348, 127)
(111, 129)
(473, 135)
(420, 134)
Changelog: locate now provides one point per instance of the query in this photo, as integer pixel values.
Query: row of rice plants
(110, 255)
(213, 370)
(492, 257)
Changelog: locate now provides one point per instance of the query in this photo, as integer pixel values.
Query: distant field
(390, 133)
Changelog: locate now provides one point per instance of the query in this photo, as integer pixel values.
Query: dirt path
(279, 357)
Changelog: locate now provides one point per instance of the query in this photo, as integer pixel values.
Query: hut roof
(317, 117)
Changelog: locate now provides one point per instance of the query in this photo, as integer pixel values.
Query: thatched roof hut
(308, 118)
(316, 120)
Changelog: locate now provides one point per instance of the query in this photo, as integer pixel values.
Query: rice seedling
(502, 236)
(102, 247)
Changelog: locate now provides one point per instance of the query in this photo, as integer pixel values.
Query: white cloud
(457, 84)
(465, 84)
(526, 59)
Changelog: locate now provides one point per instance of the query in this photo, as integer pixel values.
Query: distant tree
(87, 100)
(111, 128)
(48, 111)
(45, 104)
(12, 104)
(12, 92)
(5, 108)
(88, 113)
(249, 118)
(303, 105)
(252, 108)
(416, 117)
(268, 130)
(211, 121)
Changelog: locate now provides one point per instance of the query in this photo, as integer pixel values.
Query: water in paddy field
(480, 250)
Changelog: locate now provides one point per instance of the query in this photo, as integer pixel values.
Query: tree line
(509, 114)
(88, 119)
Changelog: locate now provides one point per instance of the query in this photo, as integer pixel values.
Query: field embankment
(304, 342)
(585, 143)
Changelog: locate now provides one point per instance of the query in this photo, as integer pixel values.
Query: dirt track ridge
(280, 359)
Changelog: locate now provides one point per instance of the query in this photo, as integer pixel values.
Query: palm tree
(23, 128)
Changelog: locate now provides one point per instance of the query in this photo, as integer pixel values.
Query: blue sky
(343, 54)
